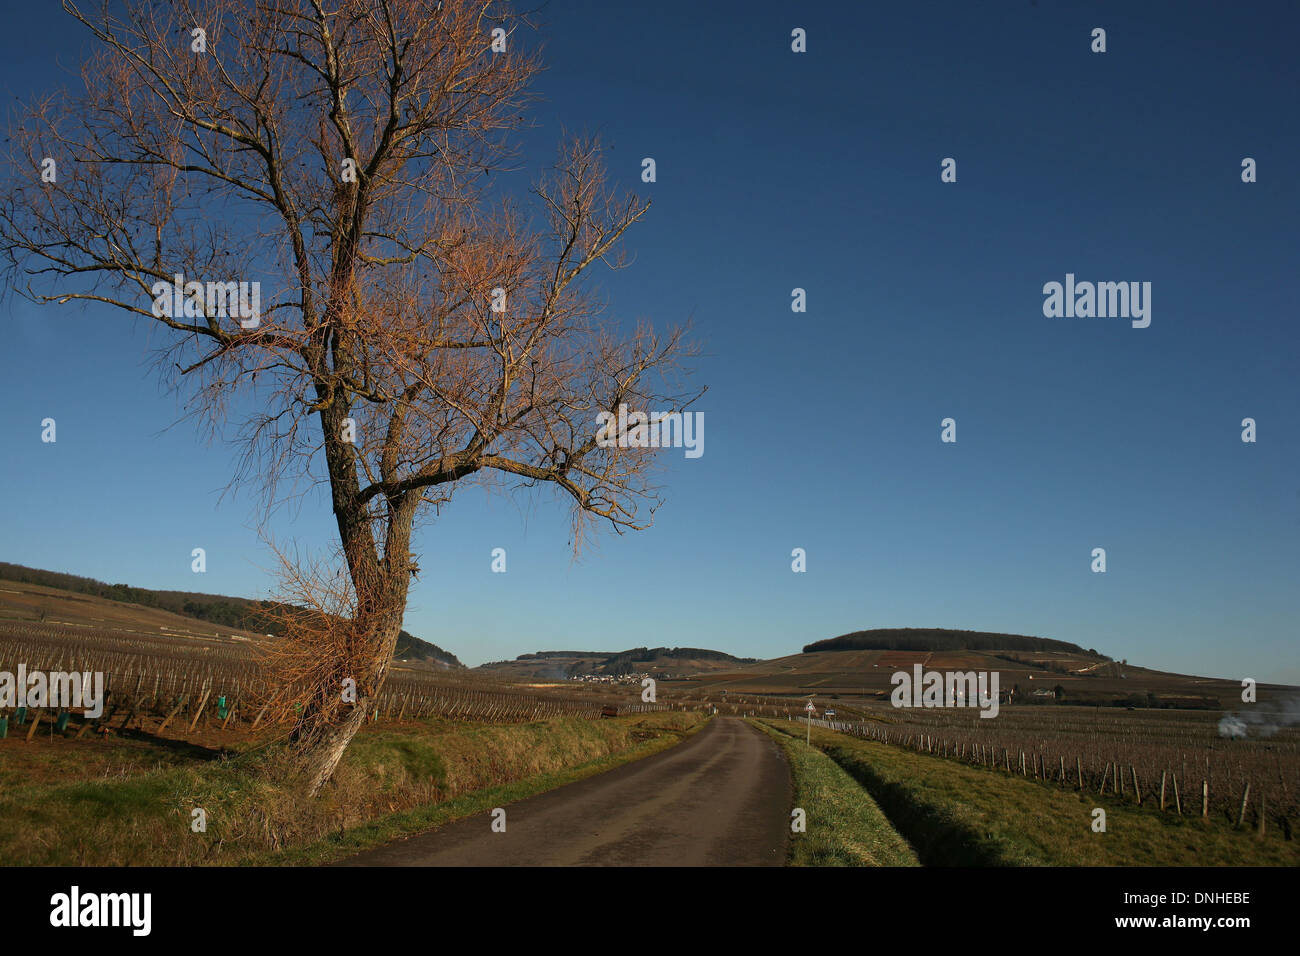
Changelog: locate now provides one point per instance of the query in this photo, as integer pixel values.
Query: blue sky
(821, 170)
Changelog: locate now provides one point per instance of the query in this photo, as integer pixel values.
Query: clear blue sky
(821, 170)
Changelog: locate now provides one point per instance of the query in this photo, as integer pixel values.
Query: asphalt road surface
(721, 798)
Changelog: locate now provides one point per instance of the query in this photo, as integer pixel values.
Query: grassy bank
(391, 782)
(955, 815)
(844, 825)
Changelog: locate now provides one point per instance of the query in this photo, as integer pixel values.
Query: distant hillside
(942, 639)
(217, 609)
(561, 665)
(626, 662)
(411, 648)
(1050, 677)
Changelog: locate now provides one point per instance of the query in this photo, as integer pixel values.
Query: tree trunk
(380, 580)
(381, 586)
(323, 756)
(322, 747)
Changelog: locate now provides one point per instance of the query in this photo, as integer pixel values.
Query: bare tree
(405, 329)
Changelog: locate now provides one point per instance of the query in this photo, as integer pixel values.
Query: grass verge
(391, 782)
(844, 825)
(954, 815)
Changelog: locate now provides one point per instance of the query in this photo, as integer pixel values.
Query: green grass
(844, 825)
(957, 815)
(391, 782)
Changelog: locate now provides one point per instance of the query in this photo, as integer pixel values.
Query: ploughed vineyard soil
(721, 798)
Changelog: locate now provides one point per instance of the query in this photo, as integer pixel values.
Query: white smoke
(1232, 727)
(1264, 721)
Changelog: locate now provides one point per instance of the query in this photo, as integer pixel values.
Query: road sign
(810, 708)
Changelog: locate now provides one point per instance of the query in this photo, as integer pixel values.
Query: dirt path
(721, 798)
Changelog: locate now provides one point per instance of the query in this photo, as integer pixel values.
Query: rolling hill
(1083, 677)
(34, 594)
(942, 639)
(855, 666)
(658, 661)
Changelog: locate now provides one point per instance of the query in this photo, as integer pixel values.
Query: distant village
(618, 679)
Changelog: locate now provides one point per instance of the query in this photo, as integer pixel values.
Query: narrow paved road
(721, 798)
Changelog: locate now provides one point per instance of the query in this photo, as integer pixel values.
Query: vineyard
(184, 682)
(1176, 760)
(1173, 760)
